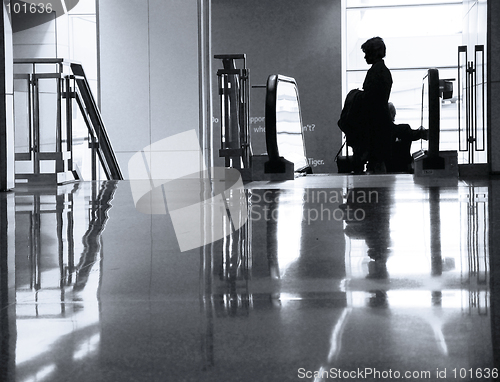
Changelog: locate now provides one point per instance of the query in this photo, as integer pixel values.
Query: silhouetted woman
(377, 86)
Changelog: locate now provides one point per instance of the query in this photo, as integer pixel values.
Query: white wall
(149, 82)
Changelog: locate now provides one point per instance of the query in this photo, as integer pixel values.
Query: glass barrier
(284, 122)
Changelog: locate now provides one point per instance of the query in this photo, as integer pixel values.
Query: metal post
(59, 116)
(479, 87)
(434, 112)
(69, 121)
(36, 125)
(462, 88)
(470, 110)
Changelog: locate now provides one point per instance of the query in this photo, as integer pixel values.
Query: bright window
(419, 35)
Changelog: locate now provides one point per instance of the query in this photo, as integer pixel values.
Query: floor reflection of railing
(55, 210)
(233, 297)
(474, 205)
(52, 286)
(43, 212)
(230, 296)
(227, 267)
(92, 238)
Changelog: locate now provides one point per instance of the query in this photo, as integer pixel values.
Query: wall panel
(148, 72)
(124, 73)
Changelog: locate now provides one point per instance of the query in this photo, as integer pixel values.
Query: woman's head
(374, 49)
(392, 111)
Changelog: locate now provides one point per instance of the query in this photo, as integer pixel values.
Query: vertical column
(6, 102)
(7, 212)
(493, 75)
(205, 78)
(494, 262)
(493, 121)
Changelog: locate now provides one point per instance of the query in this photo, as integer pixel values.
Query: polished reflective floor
(329, 278)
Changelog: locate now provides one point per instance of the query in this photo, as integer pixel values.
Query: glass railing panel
(22, 116)
(48, 118)
(289, 124)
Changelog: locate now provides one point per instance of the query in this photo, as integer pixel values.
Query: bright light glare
(289, 230)
(410, 21)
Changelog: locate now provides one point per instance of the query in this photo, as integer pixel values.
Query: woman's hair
(374, 46)
(392, 110)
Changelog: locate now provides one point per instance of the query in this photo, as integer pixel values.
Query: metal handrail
(72, 84)
(105, 150)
